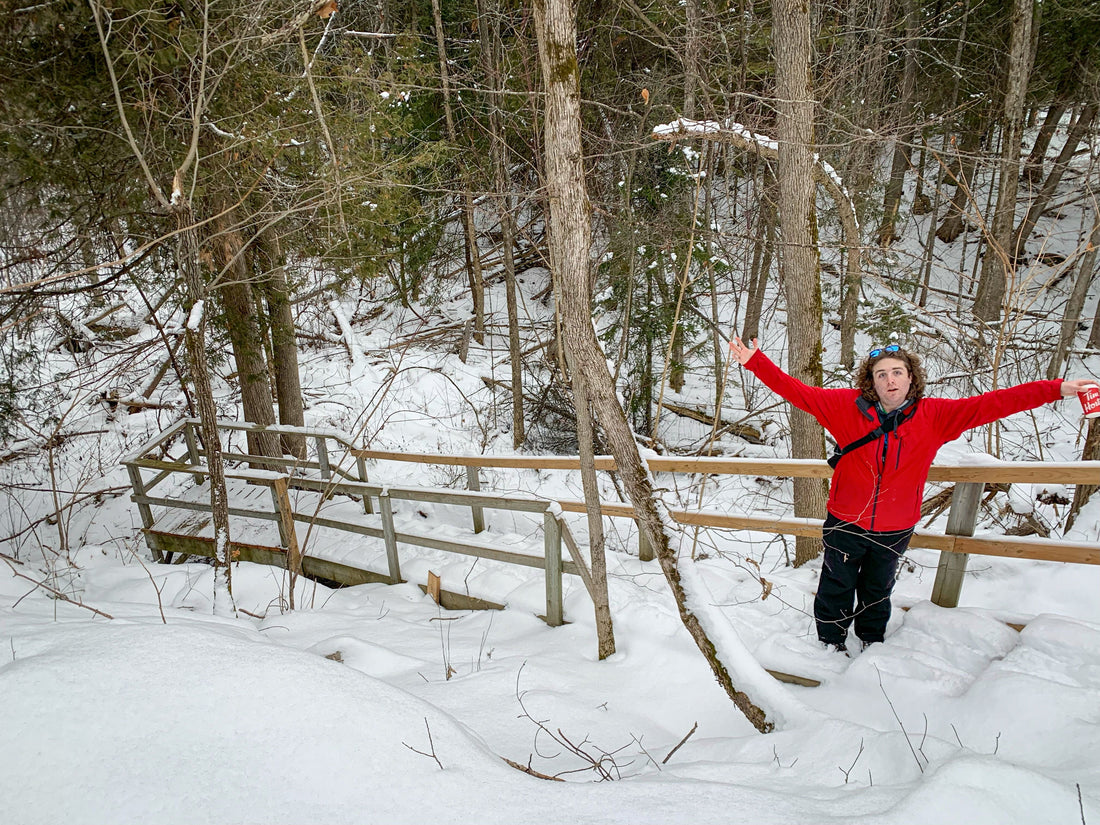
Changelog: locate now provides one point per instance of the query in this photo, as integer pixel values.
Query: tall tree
(570, 249)
(1086, 270)
(271, 266)
(469, 225)
(905, 129)
(1001, 250)
(492, 57)
(233, 286)
(798, 260)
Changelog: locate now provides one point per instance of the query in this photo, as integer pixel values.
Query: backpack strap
(887, 423)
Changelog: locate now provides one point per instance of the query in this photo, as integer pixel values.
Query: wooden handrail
(1076, 472)
(1081, 472)
(1007, 546)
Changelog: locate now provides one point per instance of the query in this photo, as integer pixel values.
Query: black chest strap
(888, 422)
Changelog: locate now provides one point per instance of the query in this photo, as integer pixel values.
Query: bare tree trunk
(718, 340)
(763, 249)
(489, 28)
(234, 287)
(284, 344)
(570, 248)
(798, 261)
(1094, 334)
(961, 174)
(677, 368)
(1086, 269)
(960, 171)
(1033, 166)
(1084, 492)
(693, 18)
(473, 257)
(1001, 252)
(195, 336)
(586, 444)
(1076, 134)
(891, 199)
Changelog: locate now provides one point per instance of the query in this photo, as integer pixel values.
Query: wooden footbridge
(271, 500)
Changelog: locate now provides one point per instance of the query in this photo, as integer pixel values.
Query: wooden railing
(956, 545)
(319, 473)
(331, 480)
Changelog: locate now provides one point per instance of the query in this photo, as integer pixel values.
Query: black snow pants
(859, 566)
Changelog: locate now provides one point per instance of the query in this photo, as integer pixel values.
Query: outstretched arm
(742, 353)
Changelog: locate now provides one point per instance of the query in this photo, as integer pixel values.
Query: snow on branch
(744, 138)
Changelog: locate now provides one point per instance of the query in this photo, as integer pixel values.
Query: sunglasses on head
(877, 351)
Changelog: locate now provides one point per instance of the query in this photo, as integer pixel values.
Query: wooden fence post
(322, 457)
(288, 535)
(361, 464)
(473, 483)
(552, 544)
(144, 510)
(390, 536)
(965, 499)
(193, 449)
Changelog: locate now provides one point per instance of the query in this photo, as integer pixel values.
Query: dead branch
(57, 594)
(680, 744)
(744, 431)
(527, 769)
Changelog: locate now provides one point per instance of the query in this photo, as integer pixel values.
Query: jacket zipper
(878, 477)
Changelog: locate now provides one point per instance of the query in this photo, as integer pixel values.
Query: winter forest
(323, 255)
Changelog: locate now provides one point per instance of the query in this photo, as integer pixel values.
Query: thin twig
(852, 767)
(679, 744)
(638, 742)
(430, 742)
(153, 581)
(900, 725)
(56, 593)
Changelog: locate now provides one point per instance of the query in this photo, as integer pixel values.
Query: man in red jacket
(887, 435)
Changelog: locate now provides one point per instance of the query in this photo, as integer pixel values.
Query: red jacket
(879, 486)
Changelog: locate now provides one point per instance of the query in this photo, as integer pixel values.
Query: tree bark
(235, 289)
(1083, 492)
(763, 249)
(891, 199)
(1094, 334)
(1086, 269)
(798, 261)
(586, 443)
(489, 28)
(1033, 166)
(960, 171)
(569, 250)
(473, 256)
(188, 261)
(1001, 252)
(1076, 134)
(284, 344)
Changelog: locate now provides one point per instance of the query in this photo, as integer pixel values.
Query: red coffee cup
(1090, 401)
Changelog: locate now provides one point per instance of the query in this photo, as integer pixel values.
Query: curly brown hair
(865, 381)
